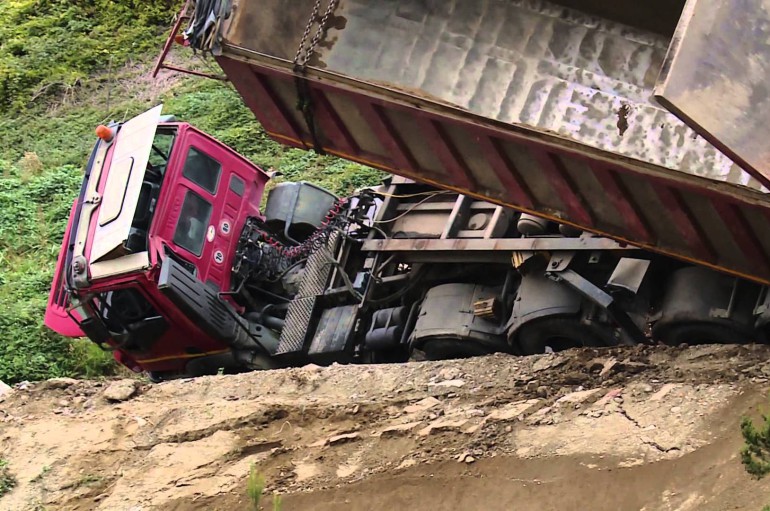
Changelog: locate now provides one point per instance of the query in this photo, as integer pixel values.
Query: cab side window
(202, 170)
(190, 230)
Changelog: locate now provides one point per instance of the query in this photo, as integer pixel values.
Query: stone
(449, 383)
(664, 390)
(59, 383)
(578, 397)
(609, 396)
(398, 429)
(449, 373)
(608, 368)
(4, 388)
(542, 391)
(513, 410)
(336, 440)
(422, 405)
(121, 390)
(341, 439)
(442, 425)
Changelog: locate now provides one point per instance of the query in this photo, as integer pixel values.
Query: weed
(255, 486)
(7, 481)
(755, 454)
(41, 475)
(88, 480)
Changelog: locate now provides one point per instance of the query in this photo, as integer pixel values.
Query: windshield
(138, 236)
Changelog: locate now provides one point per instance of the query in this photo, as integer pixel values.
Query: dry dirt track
(641, 428)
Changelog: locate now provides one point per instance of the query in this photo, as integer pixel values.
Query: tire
(701, 332)
(561, 333)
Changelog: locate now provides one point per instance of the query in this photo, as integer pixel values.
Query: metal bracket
(560, 261)
(604, 300)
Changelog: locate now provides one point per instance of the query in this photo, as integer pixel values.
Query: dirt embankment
(642, 428)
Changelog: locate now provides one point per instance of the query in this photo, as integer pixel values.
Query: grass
(255, 488)
(7, 481)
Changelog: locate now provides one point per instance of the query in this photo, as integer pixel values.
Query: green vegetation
(255, 485)
(7, 481)
(50, 47)
(255, 488)
(65, 67)
(755, 454)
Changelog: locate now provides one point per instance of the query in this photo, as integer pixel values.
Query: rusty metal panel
(717, 224)
(569, 71)
(716, 76)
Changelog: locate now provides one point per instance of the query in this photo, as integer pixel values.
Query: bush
(7, 481)
(49, 47)
(33, 216)
(755, 455)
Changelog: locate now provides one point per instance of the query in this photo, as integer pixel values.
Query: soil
(643, 428)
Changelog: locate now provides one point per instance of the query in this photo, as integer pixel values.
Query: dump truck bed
(544, 107)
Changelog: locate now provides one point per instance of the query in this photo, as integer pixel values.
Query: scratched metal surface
(718, 74)
(527, 62)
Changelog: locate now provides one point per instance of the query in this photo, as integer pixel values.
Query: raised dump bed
(547, 107)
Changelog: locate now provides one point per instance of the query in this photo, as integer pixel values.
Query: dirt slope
(641, 428)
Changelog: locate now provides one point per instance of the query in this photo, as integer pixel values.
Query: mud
(641, 428)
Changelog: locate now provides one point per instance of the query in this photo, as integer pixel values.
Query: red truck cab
(152, 190)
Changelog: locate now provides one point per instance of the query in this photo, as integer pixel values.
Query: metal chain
(301, 60)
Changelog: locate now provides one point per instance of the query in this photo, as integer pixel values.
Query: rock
(64, 403)
(578, 397)
(466, 457)
(449, 373)
(4, 388)
(398, 429)
(59, 383)
(449, 383)
(609, 396)
(665, 389)
(442, 425)
(121, 390)
(513, 410)
(542, 391)
(541, 364)
(422, 406)
(609, 367)
(533, 385)
(337, 439)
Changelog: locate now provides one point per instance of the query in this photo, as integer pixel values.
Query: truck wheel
(561, 333)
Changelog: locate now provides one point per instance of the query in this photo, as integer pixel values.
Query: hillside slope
(619, 429)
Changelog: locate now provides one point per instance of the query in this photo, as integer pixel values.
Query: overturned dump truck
(569, 174)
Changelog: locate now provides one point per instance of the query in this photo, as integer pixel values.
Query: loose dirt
(594, 429)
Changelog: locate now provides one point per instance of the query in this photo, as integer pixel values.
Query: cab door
(215, 191)
(716, 78)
